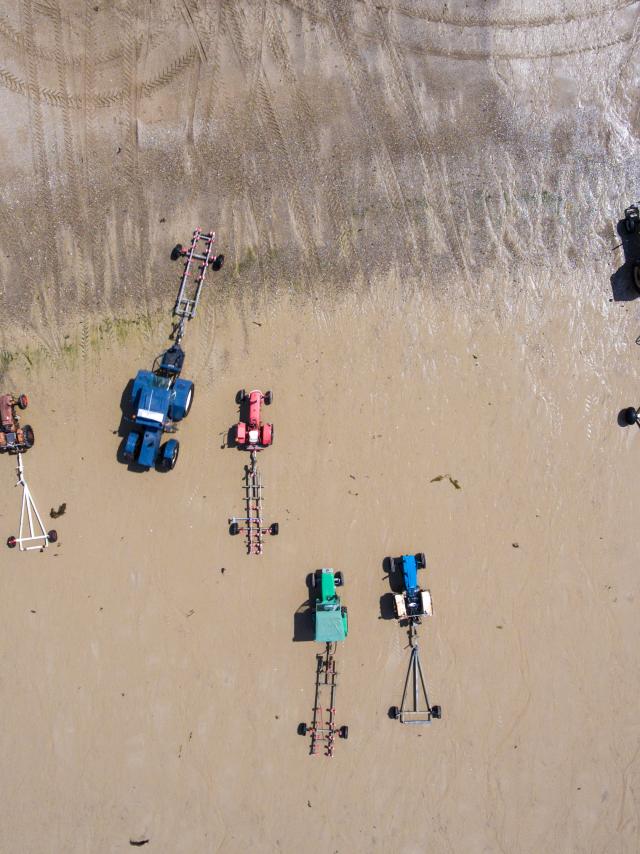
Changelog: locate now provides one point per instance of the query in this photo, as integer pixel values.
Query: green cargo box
(331, 624)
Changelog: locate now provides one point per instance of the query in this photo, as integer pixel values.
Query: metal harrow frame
(187, 303)
(37, 538)
(323, 733)
(410, 711)
(252, 525)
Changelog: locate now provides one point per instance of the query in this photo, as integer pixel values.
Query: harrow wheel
(12, 542)
(52, 536)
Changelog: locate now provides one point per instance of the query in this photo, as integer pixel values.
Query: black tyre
(635, 275)
(630, 225)
(302, 729)
(12, 542)
(23, 401)
(52, 536)
(394, 712)
(240, 396)
(29, 438)
(344, 732)
(176, 252)
(631, 415)
(421, 560)
(234, 529)
(268, 397)
(274, 528)
(436, 712)
(314, 580)
(218, 262)
(338, 577)
(171, 463)
(187, 408)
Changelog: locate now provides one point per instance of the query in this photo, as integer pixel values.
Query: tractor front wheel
(23, 401)
(268, 398)
(421, 560)
(240, 396)
(338, 577)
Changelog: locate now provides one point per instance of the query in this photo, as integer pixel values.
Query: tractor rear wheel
(631, 415)
(302, 729)
(176, 252)
(52, 536)
(234, 528)
(174, 456)
(421, 560)
(12, 542)
(23, 401)
(436, 712)
(268, 397)
(190, 396)
(344, 732)
(218, 262)
(338, 577)
(28, 436)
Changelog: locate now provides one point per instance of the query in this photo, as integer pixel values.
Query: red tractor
(252, 434)
(14, 439)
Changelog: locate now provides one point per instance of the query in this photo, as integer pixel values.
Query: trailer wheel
(338, 577)
(273, 529)
(631, 415)
(218, 262)
(176, 252)
(268, 397)
(394, 713)
(302, 729)
(23, 401)
(344, 732)
(421, 560)
(436, 712)
(52, 536)
(28, 436)
(240, 396)
(234, 528)
(12, 542)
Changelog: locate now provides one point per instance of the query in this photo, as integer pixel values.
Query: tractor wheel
(302, 729)
(12, 542)
(344, 732)
(52, 536)
(218, 262)
(314, 581)
(174, 456)
(630, 225)
(190, 396)
(436, 712)
(234, 529)
(631, 415)
(394, 713)
(23, 401)
(268, 397)
(240, 396)
(273, 529)
(421, 560)
(176, 252)
(28, 436)
(338, 577)
(635, 274)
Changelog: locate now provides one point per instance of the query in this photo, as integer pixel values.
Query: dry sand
(418, 205)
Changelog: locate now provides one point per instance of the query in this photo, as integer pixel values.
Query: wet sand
(418, 210)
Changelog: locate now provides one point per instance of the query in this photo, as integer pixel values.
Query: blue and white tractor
(412, 603)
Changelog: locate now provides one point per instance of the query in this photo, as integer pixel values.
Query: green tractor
(331, 617)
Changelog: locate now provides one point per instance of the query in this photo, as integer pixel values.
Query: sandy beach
(418, 208)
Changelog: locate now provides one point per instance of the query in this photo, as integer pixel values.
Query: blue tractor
(160, 399)
(412, 602)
